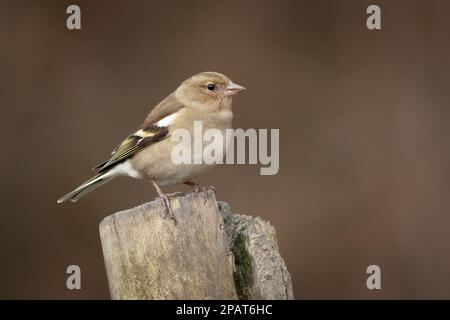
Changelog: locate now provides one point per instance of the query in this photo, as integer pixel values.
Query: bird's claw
(198, 188)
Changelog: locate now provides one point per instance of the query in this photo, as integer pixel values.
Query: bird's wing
(133, 144)
(154, 129)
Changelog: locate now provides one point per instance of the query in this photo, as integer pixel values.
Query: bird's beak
(233, 88)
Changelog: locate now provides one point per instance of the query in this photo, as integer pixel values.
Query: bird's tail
(87, 187)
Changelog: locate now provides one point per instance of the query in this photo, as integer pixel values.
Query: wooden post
(147, 256)
(260, 271)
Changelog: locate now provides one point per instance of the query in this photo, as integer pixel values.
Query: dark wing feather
(100, 165)
(133, 144)
(148, 133)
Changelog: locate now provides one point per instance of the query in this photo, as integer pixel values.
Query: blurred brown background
(363, 115)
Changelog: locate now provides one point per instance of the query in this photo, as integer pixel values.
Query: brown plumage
(146, 153)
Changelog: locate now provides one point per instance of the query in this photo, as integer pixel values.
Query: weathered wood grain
(147, 256)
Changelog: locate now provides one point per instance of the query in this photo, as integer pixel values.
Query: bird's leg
(166, 201)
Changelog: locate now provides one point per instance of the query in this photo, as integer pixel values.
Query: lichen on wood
(260, 271)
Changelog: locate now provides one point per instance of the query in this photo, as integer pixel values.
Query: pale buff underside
(154, 162)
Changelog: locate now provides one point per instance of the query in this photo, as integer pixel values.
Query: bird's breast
(178, 159)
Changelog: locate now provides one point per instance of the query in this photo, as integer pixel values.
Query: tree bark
(148, 256)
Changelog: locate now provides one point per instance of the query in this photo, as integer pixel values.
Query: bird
(146, 153)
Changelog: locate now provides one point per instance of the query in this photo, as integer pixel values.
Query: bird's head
(208, 89)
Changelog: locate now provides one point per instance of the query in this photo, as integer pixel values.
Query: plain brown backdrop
(363, 116)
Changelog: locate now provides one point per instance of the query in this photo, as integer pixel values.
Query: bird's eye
(211, 86)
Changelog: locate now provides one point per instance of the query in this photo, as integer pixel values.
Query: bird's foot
(199, 188)
(169, 212)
